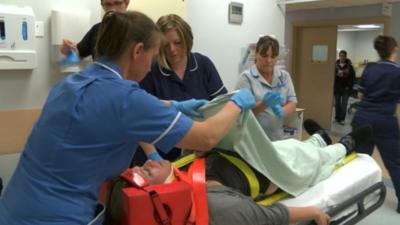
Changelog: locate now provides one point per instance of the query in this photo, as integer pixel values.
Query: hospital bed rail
(360, 201)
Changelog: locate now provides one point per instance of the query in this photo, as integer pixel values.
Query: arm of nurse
(204, 135)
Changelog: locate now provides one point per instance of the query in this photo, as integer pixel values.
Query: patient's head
(155, 172)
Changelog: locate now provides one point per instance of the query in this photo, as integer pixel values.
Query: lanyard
(108, 68)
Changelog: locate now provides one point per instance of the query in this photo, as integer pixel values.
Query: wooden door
(313, 80)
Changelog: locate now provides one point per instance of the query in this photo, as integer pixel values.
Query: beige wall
(156, 8)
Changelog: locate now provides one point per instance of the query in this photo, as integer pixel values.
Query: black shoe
(313, 127)
(356, 137)
(398, 207)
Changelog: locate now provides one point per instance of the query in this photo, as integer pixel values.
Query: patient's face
(155, 172)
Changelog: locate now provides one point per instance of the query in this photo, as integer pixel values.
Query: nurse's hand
(278, 111)
(189, 107)
(271, 99)
(244, 99)
(66, 46)
(155, 156)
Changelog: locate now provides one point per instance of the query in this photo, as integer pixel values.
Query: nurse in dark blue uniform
(379, 90)
(91, 124)
(179, 74)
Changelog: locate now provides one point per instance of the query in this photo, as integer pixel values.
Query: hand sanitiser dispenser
(17, 39)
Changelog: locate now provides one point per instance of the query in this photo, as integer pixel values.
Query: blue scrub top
(380, 85)
(87, 133)
(201, 81)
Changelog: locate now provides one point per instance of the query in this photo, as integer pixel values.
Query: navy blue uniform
(380, 85)
(201, 81)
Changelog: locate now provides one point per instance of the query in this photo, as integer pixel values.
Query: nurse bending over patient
(178, 73)
(91, 124)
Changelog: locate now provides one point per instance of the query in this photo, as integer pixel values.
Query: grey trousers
(229, 207)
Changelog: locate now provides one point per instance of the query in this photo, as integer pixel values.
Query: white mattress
(343, 184)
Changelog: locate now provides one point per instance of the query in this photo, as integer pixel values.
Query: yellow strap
(184, 161)
(273, 198)
(346, 160)
(251, 177)
(247, 171)
(283, 195)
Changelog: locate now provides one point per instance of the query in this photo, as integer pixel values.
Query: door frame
(298, 25)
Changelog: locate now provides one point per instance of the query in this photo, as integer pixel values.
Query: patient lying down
(228, 190)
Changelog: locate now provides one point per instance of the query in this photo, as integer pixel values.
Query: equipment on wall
(17, 39)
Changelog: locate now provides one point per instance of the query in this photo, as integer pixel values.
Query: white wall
(156, 8)
(345, 41)
(364, 48)
(358, 44)
(224, 42)
(359, 47)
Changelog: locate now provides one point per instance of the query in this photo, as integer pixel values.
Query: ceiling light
(368, 26)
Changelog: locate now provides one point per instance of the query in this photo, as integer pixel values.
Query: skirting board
(15, 126)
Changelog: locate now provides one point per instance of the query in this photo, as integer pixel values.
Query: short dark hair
(119, 30)
(385, 46)
(343, 52)
(266, 42)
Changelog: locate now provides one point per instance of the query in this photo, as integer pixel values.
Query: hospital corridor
(201, 112)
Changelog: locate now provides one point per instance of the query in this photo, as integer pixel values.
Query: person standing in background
(86, 46)
(343, 86)
(272, 87)
(178, 73)
(379, 91)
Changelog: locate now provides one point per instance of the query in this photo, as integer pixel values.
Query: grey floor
(386, 214)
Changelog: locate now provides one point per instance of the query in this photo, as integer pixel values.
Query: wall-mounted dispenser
(70, 25)
(17, 38)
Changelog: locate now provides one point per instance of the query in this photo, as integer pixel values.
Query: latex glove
(154, 156)
(71, 59)
(272, 98)
(189, 107)
(244, 99)
(278, 111)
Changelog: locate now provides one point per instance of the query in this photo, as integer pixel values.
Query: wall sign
(235, 13)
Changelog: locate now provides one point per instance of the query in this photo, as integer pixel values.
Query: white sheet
(343, 184)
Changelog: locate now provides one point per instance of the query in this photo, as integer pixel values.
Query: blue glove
(278, 111)
(189, 107)
(244, 99)
(71, 59)
(272, 98)
(155, 156)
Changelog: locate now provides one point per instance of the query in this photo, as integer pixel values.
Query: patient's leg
(313, 128)
(227, 206)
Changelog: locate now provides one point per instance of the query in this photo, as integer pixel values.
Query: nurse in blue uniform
(92, 123)
(379, 90)
(179, 74)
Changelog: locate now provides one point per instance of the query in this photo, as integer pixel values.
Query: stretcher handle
(358, 199)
